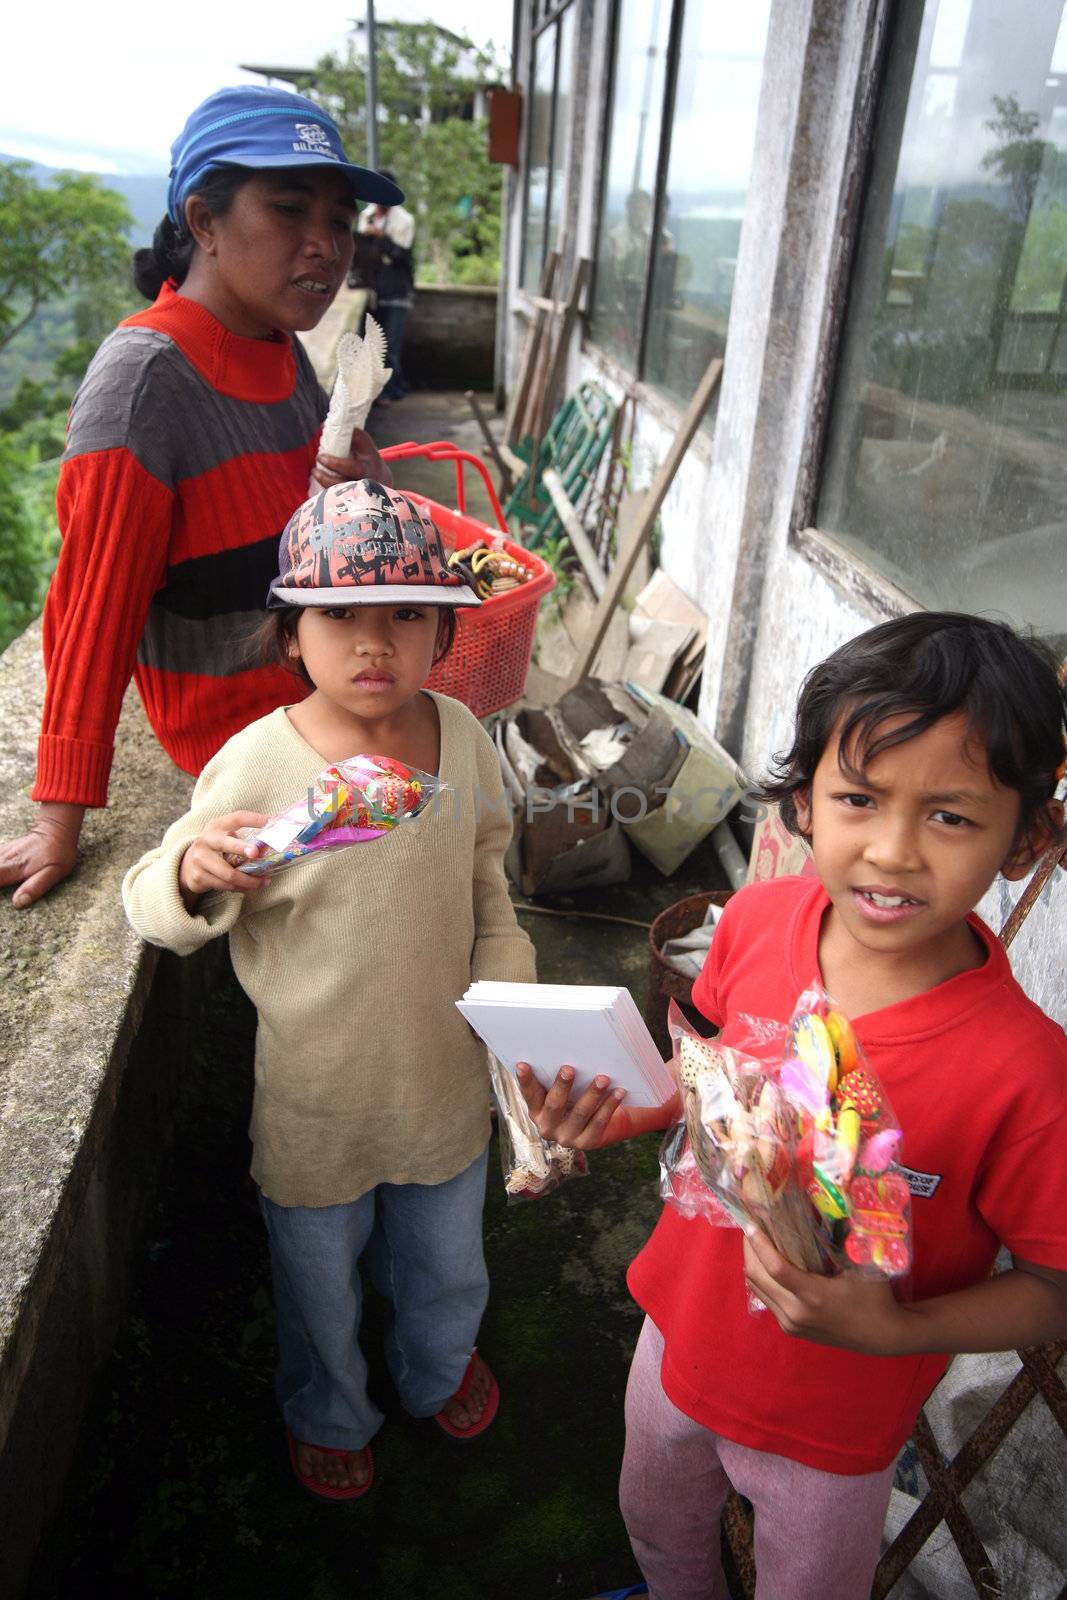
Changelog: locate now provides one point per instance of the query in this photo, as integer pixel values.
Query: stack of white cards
(591, 1027)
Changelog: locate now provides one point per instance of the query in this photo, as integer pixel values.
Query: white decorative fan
(361, 376)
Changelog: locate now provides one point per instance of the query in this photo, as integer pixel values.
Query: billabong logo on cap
(312, 140)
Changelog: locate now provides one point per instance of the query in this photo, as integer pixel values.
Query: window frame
(885, 81)
(663, 156)
(635, 380)
(860, 583)
(551, 15)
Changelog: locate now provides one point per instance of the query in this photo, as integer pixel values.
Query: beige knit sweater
(365, 1071)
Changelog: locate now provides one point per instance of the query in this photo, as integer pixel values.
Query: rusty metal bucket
(664, 983)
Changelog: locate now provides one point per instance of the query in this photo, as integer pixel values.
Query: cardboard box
(673, 784)
(565, 837)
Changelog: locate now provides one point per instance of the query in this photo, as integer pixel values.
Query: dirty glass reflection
(540, 152)
(631, 156)
(561, 128)
(712, 135)
(946, 466)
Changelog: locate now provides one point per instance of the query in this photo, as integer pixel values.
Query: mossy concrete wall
(450, 337)
(91, 1030)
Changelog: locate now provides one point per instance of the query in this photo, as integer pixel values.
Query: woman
(169, 540)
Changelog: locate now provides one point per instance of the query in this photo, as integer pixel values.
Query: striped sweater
(188, 449)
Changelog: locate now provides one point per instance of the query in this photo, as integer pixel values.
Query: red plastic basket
(487, 665)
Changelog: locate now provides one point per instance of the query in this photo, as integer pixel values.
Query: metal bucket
(664, 983)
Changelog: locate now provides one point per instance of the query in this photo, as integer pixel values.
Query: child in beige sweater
(354, 961)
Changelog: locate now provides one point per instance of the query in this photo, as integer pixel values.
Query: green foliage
(64, 263)
(1017, 157)
(950, 283)
(70, 235)
(1039, 278)
(28, 536)
(425, 80)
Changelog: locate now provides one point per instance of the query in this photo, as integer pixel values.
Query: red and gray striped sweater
(188, 449)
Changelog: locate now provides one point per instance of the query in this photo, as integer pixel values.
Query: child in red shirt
(926, 759)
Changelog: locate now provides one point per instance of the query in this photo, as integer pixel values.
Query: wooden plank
(504, 470)
(576, 533)
(528, 420)
(545, 391)
(534, 335)
(553, 383)
(614, 481)
(514, 463)
(637, 518)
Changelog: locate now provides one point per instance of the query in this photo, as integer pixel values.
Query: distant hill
(144, 193)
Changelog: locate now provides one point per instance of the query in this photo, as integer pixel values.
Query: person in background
(393, 228)
(168, 542)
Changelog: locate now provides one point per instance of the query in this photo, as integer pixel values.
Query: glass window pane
(946, 466)
(631, 155)
(712, 137)
(539, 154)
(561, 139)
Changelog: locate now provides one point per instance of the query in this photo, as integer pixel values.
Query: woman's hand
(44, 856)
(363, 461)
(850, 1312)
(204, 866)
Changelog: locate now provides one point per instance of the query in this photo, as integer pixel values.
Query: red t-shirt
(977, 1076)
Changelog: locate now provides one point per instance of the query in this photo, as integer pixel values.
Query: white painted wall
(726, 520)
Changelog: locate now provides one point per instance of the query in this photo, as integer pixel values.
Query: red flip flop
(491, 1404)
(325, 1491)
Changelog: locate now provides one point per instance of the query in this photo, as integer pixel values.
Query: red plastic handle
(441, 450)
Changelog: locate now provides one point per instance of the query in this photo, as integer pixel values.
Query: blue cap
(260, 127)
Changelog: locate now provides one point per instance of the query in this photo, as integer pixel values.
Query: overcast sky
(105, 85)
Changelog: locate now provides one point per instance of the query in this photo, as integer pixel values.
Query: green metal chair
(573, 445)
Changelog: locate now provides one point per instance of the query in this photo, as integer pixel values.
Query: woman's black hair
(924, 667)
(272, 641)
(172, 247)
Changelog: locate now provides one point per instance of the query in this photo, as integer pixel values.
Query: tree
(28, 535)
(426, 81)
(1019, 159)
(67, 237)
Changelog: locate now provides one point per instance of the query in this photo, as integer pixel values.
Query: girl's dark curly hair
(923, 667)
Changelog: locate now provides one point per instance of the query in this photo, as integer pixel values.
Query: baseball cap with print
(363, 544)
(251, 126)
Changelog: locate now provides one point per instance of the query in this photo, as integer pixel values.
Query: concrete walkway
(186, 1487)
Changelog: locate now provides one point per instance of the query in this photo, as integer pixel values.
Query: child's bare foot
(348, 1471)
(474, 1404)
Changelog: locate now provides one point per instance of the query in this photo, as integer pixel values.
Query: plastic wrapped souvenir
(532, 1165)
(350, 803)
(792, 1130)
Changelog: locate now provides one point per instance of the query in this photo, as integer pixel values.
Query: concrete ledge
(451, 337)
(83, 1086)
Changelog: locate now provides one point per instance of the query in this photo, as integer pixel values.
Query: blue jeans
(424, 1250)
(392, 321)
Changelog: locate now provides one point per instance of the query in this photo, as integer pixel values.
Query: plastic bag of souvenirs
(792, 1130)
(532, 1165)
(350, 803)
(730, 1157)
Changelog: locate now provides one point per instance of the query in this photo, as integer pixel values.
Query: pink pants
(817, 1534)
